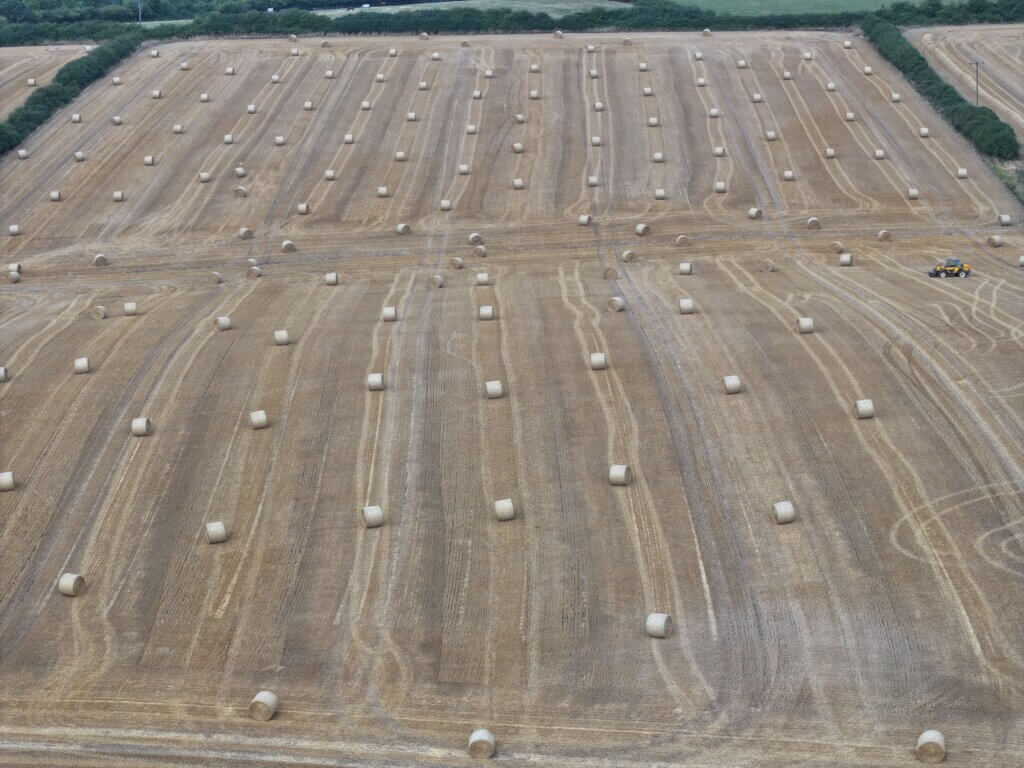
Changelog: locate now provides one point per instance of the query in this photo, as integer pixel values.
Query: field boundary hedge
(70, 80)
(980, 125)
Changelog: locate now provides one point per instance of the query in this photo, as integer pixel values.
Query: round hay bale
(253, 272)
(373, 516)
(517, 148)
(495, 389)
(754, 213)
(258, 419)
(142, 427)
(303, 209)
(706, 32)
(595, 141)
(648, 91)
(115, 80)
(718, 151)
(783, 512)
(177, 128)
(331, 278)
(830, 152)
(229, 71)
(845, 259)
(599, 106)
(658, 157)
(788, 175)
(282, 338)
(488, 73)
(131, 309)
(714, 112)
(961, 173)
(913, 194)
(477, 94)
(245, 234)
(216, 532)
(481, 741)
(787, 75)
(518, 184)
(884, 235)
(620, 474)
(99, 312)
(592, 181)
(463, 169)
(486, 312)
(702, 82)
(389, 314)
(923, 132)
(830, 86)
(879, 154)
(598, 361)
(683, 241)
(22, 154)
(808, 56)
(805, 325)
(557, 34)
(520, 118)
(263, 706)
(535, 94)
(931, 747)
(99, 260)
(720, 187)
(610, 273)
(446, 205)
(71, 584)
(14, 277)
(535, 68)
(686, 307)
(455, 262)
(480, 250)
(348, 138)
(733, 385)
(628, 256)
(616, 304)
(215, 278)
(698, 56)
(288, 246)
(81, 365)
(403, 228)
(202, 177)
(14, 230)
(424, 36)
(757, 98)
(814, 223)
(642, 230)
(658, 625)
(864, 409)
(585, 219)
(850, 117)
(7, 481)
(55, 196)
(1004, 220)
(438, 282)
(483, 278)
(383, 192)
(770, 135)
(995, 241)
(847, 44)
(894, 97)
(279, 141)
(223, 323)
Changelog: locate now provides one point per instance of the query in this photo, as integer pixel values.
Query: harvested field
(891, 604)
(17, 65)
(1000, 47)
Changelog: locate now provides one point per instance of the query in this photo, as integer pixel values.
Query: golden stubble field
(891, 604)
(999, 48)
(37, 62)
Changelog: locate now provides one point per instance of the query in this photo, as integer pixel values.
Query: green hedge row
(980, 125)
(73, 78)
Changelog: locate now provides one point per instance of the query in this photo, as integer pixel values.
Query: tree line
(980, 125)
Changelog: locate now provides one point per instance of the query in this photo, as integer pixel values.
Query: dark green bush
(73, 78)
(980, 125)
